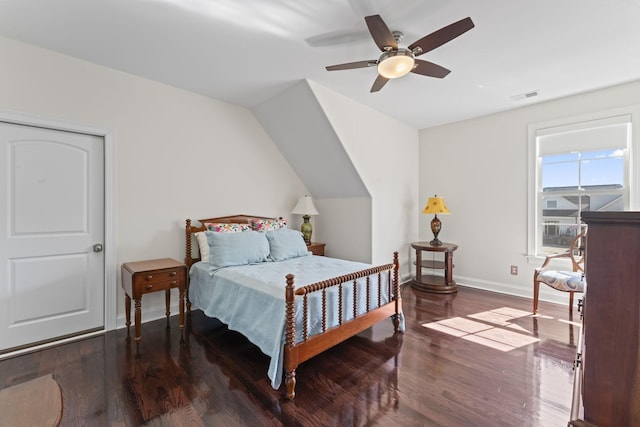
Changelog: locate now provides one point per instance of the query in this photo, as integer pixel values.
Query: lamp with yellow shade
(436, 206)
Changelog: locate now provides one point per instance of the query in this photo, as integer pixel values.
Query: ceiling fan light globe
(395, 63)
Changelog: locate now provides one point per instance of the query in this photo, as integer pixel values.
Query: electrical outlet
(514, 270)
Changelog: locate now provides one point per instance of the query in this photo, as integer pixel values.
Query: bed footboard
(309, 346)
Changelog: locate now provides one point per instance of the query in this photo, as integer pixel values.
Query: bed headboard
(190, 229)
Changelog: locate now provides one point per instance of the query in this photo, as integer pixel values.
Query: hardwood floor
(424, 377)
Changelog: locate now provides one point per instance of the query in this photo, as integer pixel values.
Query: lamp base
(435, 242)
(306, 229)
(436, 226)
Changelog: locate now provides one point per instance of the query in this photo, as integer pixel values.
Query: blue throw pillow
(226, 249)
(286, 243)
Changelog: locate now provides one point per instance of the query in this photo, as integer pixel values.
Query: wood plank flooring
(424, 377)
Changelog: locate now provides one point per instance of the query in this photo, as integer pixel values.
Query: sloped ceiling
(296, 123)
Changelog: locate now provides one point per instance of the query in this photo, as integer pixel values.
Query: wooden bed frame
(296, 353)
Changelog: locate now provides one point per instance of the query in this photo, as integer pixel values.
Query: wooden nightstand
(143, 277)
(317, 248)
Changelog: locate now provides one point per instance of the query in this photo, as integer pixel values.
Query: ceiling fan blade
(429, 69)
(379, 83)
(441, 36)
(352, 65)
(380, 32)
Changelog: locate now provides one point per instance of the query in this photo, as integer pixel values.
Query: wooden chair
(563, 280)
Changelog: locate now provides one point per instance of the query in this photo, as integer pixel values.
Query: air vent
(524, 95)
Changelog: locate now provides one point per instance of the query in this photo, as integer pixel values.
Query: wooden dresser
(610, 368)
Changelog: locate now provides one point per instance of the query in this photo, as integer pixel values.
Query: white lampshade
(305, 207)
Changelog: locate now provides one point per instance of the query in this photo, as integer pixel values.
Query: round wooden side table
(434, 282)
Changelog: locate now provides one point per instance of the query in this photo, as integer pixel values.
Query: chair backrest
(577, 250)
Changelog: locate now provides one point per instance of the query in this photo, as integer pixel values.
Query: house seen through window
(579, 167)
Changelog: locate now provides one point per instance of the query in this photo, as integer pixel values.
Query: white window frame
(632, 163)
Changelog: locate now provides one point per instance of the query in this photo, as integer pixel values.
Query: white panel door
(51, 216)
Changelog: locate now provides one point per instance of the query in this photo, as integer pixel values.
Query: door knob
(97, 247)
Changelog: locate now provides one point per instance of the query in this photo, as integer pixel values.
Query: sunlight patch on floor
(464, 325)
(541, 316)
(569, 322)
(491, 329)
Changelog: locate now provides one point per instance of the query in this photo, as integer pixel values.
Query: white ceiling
(245, 51)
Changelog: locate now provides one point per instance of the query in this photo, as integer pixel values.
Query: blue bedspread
(250, 299)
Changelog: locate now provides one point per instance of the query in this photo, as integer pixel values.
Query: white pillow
(203, 246)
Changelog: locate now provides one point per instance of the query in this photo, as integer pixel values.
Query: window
(575, 167)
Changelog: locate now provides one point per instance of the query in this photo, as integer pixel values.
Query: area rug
(37, 402)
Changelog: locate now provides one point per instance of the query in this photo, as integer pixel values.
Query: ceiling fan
(397, 61)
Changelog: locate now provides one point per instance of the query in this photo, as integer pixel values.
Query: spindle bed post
(290, 353)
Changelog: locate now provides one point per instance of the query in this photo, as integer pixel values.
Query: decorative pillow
(226, 249)
(226, 228)
(286, 243)
(203, 246)
(268, 224)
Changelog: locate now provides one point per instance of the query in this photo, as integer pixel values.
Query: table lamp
(436, 206)
(305, 208)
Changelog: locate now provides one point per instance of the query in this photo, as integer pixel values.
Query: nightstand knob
(173, 273)
(147, 287)
(149, 277)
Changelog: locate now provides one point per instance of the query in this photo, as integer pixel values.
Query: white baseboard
(546, 293)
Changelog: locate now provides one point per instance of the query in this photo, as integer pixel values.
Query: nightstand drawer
(157, 280)
(143, 286)
(157, 276)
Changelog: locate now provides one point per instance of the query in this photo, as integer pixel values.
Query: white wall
(384, 151)
(345, 224)
(479, 166)
(178, 155)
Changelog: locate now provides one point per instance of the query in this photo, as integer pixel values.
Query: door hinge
(578, 362)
